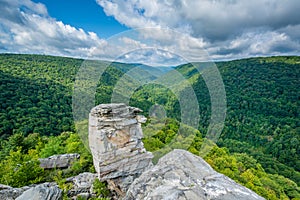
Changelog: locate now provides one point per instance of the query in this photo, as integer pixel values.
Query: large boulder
(115, 135)
(182, 175)
(45, 191)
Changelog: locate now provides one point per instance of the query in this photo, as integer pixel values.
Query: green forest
(259, 146)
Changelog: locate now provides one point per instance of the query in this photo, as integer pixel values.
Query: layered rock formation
(182, 175)
(115, 141)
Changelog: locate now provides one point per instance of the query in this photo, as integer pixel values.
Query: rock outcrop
(115, 141)
(45, 191)
(120, 159)
(182, 175)
(58, 161)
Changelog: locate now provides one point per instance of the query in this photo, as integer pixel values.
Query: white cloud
(180, 30)
(225, 28)
(29, 29)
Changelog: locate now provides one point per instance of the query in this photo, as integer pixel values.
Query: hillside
(262, 114)
(262, 110)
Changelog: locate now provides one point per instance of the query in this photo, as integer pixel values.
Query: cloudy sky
(158, 32)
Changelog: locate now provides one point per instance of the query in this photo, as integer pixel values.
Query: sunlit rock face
(184, 176)
(115, 135)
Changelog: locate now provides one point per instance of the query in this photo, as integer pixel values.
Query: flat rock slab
(58, 161)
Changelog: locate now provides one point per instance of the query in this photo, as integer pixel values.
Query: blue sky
(85, 14)
(156, 32)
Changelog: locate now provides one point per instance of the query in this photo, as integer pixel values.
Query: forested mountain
(260, 140)
(262, 110)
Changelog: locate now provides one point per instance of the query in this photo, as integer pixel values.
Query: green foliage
(248, 172)
(20, 166)
(100, 189)
(20, 169)
(69, 142)
(262, 110)
(36, 94)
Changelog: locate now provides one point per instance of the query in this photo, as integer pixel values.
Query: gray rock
(45, 191)
(58, 161)
(81, 184)
(182, 175)
(115, 135)
(9, 193)
(3, 187)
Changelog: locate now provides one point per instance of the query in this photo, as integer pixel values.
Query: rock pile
(115, 141)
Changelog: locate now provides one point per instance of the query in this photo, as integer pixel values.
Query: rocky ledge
(182, 175)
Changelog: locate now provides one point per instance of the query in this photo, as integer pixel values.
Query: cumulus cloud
(26, 27)
(225, 28)
(188, 30)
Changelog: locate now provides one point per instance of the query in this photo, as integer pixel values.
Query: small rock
(82, 184)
